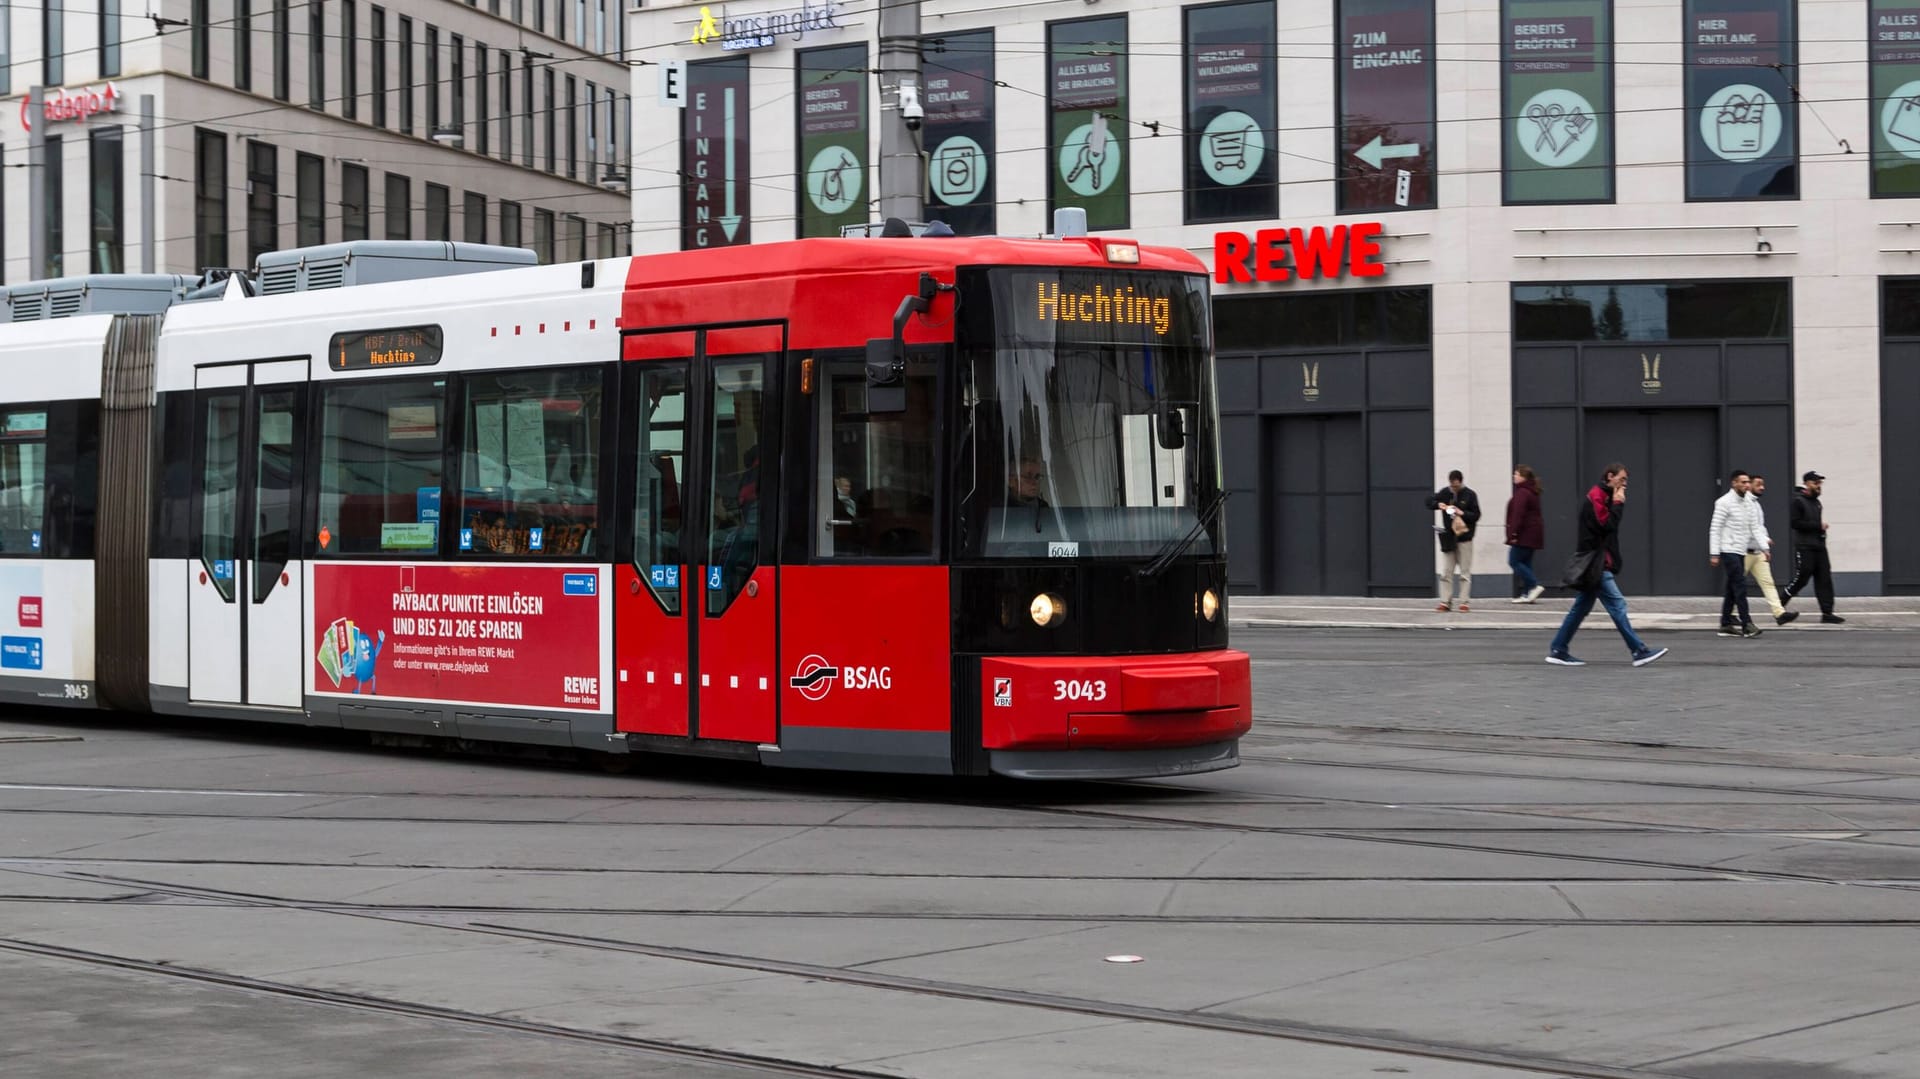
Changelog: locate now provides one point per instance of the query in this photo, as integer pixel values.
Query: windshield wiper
(1175, 548)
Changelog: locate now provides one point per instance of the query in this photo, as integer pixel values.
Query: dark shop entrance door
(1318, 466)
(1672, 457)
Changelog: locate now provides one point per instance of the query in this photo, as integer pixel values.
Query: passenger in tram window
(844, 506)
(494, 536)
(1023, 483)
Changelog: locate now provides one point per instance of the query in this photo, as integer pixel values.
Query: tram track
(1222, 1023)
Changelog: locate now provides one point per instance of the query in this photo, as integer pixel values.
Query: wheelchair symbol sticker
(1090, 158)
(1231, 148)
(833, 179)
(959, 171)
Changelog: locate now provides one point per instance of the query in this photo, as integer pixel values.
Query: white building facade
(1444, 234)
(202, 133)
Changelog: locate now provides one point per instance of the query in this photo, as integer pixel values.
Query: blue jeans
(1616, 604)
(1520, 561)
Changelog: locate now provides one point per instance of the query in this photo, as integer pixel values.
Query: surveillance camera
(910, 108)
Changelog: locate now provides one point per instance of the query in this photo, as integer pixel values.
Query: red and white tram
(913, 505)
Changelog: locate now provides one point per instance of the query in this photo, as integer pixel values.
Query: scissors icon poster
(1557, 127)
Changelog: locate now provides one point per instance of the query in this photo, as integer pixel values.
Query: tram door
(244, 609)
(695, 639)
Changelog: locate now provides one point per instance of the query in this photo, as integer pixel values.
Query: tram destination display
(372, 350)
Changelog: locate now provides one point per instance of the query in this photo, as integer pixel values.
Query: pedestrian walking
(1734, 530)
(1760, 563)
(1810, 548)
(1525, 532)
(1459, 510)
(1599, 539)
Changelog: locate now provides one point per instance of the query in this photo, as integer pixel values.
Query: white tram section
(46, 604)
(529, 318)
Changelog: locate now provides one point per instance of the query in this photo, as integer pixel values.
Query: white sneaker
(1535, 593)
(1521, 598)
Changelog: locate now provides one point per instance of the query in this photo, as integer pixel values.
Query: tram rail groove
(408, 1009)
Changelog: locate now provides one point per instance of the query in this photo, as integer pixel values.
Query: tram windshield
(1088, 422)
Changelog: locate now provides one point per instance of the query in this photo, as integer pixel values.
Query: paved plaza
(1440, 858)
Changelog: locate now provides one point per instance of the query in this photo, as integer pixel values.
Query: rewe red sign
(78, 105)
(1287, 254)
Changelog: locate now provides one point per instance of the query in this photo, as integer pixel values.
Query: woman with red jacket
(1525, 533)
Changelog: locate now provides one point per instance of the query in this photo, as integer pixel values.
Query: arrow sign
(1373, 153)
(730, 221)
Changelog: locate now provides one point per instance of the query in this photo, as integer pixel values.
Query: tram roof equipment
(366, 262)
(93, 294)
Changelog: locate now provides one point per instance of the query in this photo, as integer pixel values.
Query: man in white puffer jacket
(1736, 529)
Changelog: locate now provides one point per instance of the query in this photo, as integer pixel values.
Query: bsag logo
(814, 677)
(1650, 374)
(1003, 693)
(1310, 381)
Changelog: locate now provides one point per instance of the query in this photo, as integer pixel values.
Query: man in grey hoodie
(1736, 529)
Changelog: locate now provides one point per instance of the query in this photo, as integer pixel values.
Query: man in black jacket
(1456, 501)
(1600, 515)
(1810, 548)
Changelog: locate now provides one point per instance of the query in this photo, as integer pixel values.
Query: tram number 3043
(1079, 689)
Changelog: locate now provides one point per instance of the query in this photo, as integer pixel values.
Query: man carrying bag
(1590, 571)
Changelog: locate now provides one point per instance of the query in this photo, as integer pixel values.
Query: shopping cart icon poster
(1231, 148)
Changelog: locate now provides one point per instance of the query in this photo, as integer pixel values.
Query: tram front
(1089, 574)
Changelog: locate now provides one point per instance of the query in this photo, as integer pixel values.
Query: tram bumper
(1115, 716)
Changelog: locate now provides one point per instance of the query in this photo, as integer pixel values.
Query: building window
(543, 235)
(1325, 319)
(3, 166)
(399, 207)
(519, 11)
(377, 64)
(1557, 74)
(349, 59)
(1386, 105)
(560, 19)
(243, 44)
(1637, 311)
(509, 223)
(53, 191)
(600, 26)
(406, 75)
(613, 135)
(310, 199)
(526, 109)
(108, 212)
(593, 132)
(960, 103)
(1087, 107)
(576, 237)
(830, 154)
(283, 50)
(53, 41)
(608, 245)
(551, 100)
(1232, 171)
(473, 218)
(540, 15)
(6, 55)
(210, 198)
(353, 202)
(316, 54)
(439, 213)
(433, 79)
(457, 51)
(109, 38)
(263, 199)
(482, 88)
(506, 105)
(573, 128)
(1894, 65)
(201, 16)
(580, 23)
(1742, 138)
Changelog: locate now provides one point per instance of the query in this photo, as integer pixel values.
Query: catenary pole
(902, 182)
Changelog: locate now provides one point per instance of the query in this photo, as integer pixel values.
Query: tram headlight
(1048, 609)
(1209, 605)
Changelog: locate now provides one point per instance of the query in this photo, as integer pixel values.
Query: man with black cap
(1810, 548)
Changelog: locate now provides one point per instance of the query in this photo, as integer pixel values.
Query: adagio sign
(59, 105)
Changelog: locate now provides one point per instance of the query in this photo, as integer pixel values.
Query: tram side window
(658, 518)
(380, 462)
(873, 486)
(530, 468)
(23, 482)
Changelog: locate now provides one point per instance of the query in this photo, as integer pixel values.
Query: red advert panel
(523, 636)
(1113, 702)
(651, 694)
(866, 646)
